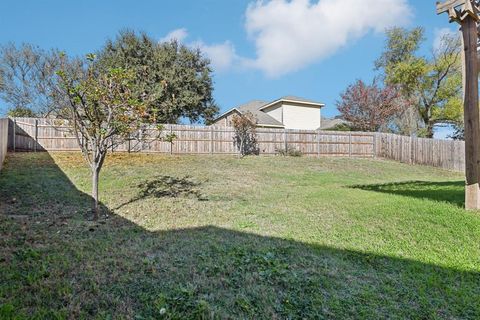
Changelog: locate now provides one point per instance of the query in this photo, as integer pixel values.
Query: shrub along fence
(30, 134)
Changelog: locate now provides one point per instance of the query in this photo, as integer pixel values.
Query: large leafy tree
(102, 111)
(369, 107)
(433, 85)
(27, 79)
(178, 78)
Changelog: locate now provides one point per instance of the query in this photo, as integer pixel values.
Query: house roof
(300, 99)
(327, 123)
(294, 99)
(262, 118)
(256, 107)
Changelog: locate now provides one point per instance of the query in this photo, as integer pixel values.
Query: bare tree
(28, 83)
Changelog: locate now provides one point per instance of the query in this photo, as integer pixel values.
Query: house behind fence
(30, 134)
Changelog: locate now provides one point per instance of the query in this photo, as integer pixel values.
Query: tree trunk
(95, 176)
(430, 127)
(240, 155)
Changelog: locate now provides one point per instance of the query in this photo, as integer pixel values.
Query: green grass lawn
(227, 238)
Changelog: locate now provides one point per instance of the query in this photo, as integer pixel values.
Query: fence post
(375, 137)
(285, 132)
(211, 140)
(318, 143)
(411, 150)
(171, 142)
(452, 154)
(350, 144)
(14, 134)
(36, 136)
(401, 149)
(129, 141)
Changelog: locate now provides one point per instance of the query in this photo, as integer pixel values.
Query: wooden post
(318, 143)
(36, 136)
(465, 12)
(471, 115)
(171, 142)
(285, 132)
(411, 150)
(350, 144)
(375, 135)
(211, 140)
(129, 142)
(14, 134)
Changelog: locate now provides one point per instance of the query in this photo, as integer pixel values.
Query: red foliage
(369, 107)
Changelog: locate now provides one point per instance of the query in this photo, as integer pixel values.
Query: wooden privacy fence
(446, 154)
(29, 134)
(3, 140)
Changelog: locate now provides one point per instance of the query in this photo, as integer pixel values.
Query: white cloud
(440, 34)
(178, 34)
(290, 35)
(222, 56)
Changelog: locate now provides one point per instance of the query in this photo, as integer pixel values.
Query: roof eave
(270, 125)
(226, 113)
(321, 105)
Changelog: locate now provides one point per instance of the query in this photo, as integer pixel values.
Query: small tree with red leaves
(245, 138)
(369, 107)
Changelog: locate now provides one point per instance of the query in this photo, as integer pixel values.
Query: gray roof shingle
(327, 123)
(262, 118)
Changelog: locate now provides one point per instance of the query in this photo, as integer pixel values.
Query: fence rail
(43, 134)
(446, 154)
(30, 134)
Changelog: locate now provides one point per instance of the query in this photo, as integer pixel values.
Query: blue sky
(260, 50)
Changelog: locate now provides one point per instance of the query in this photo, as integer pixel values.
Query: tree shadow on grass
(168, 187)
(73, 268)
(445, 191)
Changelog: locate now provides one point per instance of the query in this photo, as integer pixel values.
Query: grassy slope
(251, 238)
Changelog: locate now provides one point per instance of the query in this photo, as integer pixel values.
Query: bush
(288, 152)
(245, 138)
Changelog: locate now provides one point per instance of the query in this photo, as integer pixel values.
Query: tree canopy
(368, 107)
(27, 79)
(102, 111)
(178, 79)
(433, 85)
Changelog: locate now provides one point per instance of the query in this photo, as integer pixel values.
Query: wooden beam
(448, 5)
(454, 15)
(470, 9)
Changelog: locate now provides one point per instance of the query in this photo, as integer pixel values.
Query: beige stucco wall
(275, 112)
(299, 116)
